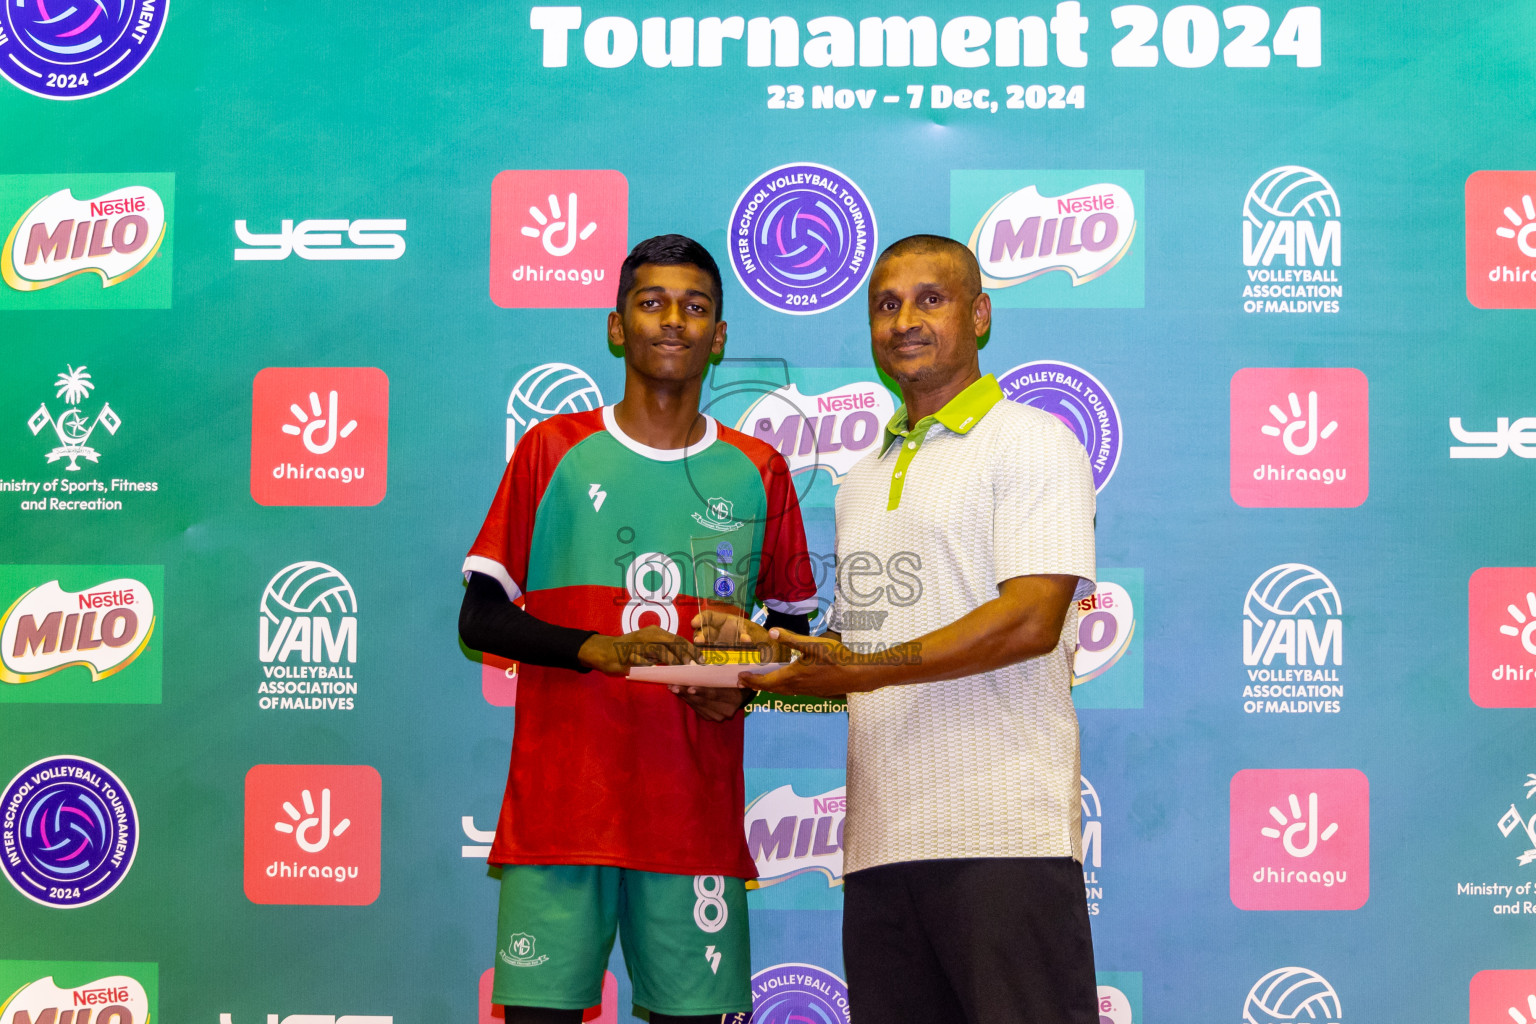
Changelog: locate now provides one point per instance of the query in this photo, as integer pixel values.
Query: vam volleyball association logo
(1292, 243)
(307, 640)
(1293, 642)
(548, 390)
(69, 831)
(67, 51)
(1292, 994)
(1074, 396)
(802, 238)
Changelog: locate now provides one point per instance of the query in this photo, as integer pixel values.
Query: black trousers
(998, 940)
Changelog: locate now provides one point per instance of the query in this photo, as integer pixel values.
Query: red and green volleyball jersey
(592, 529)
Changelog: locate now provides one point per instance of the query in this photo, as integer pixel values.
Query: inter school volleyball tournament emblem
(71, 49)
(802, 238)
(1074, 396)
(793, 993)
(69, 831)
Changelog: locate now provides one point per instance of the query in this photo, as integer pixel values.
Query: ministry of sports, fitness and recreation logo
(796, 993)
(68, 830)
(1052, 239)
(86, 241)
(802, 238)
(1293, 642)
(1501, 637)
(1074, 396)
(548, 390)
(1292, 243)
(307, 640)
(74, 426)
(1501, 239)
(829, 431)
(113, 998)
(65, 50)
(1292, 994)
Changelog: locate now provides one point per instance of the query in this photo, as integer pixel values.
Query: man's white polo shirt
(986, 765)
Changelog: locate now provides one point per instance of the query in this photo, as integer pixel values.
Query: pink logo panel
(319, 435)
(312, 834)
(1501, 239)
(605, 1013)
(1499, 997)
(1300, 437)
(1301, 839)
(1501, 637)
(498, 681)
(558, 238)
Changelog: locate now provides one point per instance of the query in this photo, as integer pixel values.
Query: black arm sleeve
(794, 623)
(491, 623)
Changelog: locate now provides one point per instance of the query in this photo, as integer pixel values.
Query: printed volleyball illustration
(1290, 191)
(1290, 590)
(307, 588)
(1291, 994)
(545, 391)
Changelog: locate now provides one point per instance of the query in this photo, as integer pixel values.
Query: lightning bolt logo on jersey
(594, 530)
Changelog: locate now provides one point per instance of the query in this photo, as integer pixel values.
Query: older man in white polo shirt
(962, 545)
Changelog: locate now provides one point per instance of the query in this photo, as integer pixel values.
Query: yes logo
(1518, 437)
(1501, 637)
(321, 240)
(1501, 239)
(300, 849)
(556, 237)
(108, 248)
(1300, 839)
(1499, 997)
(319, 436)
(1300, 438)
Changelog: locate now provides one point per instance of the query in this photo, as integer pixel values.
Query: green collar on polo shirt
(959, 415)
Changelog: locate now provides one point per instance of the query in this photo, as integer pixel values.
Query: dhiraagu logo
(1054, 239)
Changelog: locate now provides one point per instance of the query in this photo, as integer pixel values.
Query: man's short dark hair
(914, 245)
(668, 251)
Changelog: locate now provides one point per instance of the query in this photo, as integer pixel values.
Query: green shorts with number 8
(684, 938)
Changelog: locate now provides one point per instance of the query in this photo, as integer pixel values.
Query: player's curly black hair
(669, 251)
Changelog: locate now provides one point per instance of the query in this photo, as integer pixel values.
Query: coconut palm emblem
(74, 427)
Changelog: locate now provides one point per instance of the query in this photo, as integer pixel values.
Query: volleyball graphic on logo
(1291, 994)
(1290, 192)
(70, 831)
(308, 588)
(546, 391)
(1290, 590)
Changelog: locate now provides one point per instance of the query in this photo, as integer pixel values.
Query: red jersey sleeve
(501, 549)
(786, 582)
